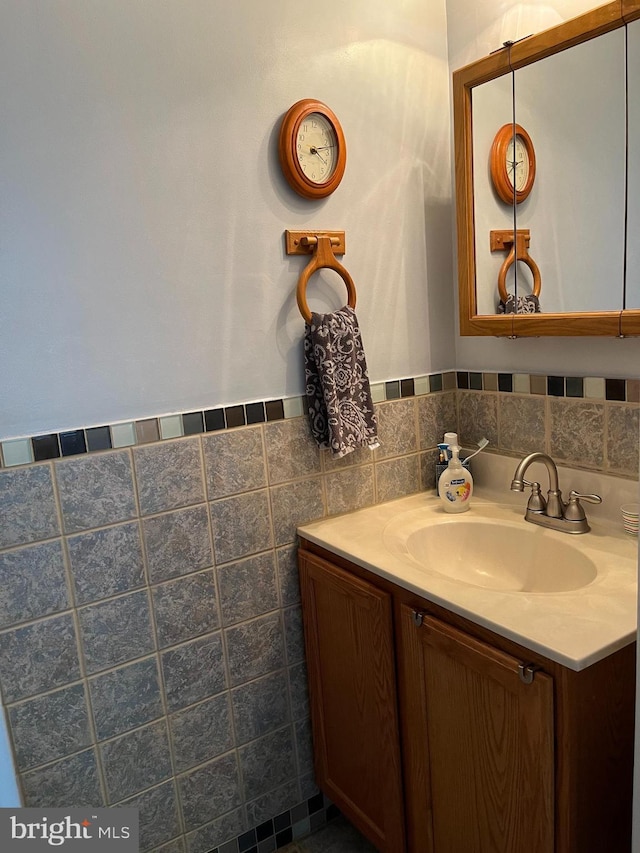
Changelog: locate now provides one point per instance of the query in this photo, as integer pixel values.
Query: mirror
(569, 94)
(632, 289)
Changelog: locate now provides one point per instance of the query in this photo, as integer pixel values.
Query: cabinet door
(482, 745)
(350, 660)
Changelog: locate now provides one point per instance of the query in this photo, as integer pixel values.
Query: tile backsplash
(151, 648)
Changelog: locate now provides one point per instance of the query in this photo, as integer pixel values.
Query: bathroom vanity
(456, 712)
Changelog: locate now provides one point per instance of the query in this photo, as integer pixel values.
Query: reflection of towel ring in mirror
(503, 240)
(322, 258)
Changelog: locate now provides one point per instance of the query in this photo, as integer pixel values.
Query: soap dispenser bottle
(455, 485)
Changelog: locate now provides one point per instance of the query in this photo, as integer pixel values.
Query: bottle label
(458, 490)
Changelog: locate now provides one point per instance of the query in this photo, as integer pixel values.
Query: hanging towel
(338, 394)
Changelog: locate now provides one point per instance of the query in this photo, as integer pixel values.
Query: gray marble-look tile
(95, 490)
(293, 634)
(234, 462)
(522, 423)
(260, 706)
(210, 791)
(428, 463)
(125, 698)
(185, 608)
(294, 504)
(255, 648)
(288, 575)
(396, 478)
(38, 657)
(577, 432)
(106, 562)
(359, 456)
(291, 450)
(201, 732)
(175, 846)
(267, 763)
(159, 821)
(213, 835)
(177, 543)
(622, 438)
(32, 583)
(137, 760)
(308, 786)
(396, 428)
(115, 631)
(67, 783)
(436, 415)
(248, 588)
(298, 690)
(169, 475)
(27, 506)
(304, 746)
(349, 490)
(193, 671)
(50, 726)
(272, 803)
(241, 526)
(478, 413)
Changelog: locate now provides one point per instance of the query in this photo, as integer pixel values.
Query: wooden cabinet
(434, 735)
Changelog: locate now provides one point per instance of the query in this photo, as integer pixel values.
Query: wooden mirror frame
(598, 21)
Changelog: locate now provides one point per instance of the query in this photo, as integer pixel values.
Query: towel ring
(522, 245)
(323, 258)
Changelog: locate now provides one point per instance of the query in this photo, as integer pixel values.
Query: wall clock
(312, 149)
(512, 163)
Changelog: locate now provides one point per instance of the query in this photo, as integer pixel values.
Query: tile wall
(151, 648)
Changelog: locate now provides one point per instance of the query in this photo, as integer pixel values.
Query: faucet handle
(573, 510)
(536, 502)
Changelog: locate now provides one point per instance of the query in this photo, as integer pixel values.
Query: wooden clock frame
(498, 159)
(291, 169)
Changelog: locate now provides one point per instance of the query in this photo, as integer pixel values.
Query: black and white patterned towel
(338, 394)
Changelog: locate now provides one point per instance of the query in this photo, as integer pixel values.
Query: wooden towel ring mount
(502, 241)
(322, 246)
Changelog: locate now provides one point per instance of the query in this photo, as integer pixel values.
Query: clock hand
(314, 150)
(322, 147)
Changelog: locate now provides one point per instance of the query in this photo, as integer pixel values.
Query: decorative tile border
(22, 451)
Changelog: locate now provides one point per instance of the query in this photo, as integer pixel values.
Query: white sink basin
(515, 557)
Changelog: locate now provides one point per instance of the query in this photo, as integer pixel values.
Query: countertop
(575, 628)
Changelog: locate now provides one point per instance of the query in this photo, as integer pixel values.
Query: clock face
(317, 148)
(517, 163)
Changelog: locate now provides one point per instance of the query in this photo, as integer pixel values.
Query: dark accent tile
(45, 447)
(185, 608)
(538, 384)
(614, 389)
(137, 760)
(555, 386)
(72, 781)
(284, 837)
(265, 830)
(255, 413)
(246, 840)
(27, 506)
(392, 390)
(192, 423)
(214, 419)
(505, 382)
(147, 431)
(125, 698)
(332, 812)
(38, 657)
(169, 475)
(234, 416)
(575, 386)
(475, 381)
(177, 543)
(32, 583)
(282, 821)
(435, 382)
(95, 490)
(106, 562)
(201, 732)
(407, 388)
(50, 727)
(462, 379)
(72, 443)
(115, 631)
(274, 410)
(193, 671)
(210, 791)
(314, 804)
(99, 438)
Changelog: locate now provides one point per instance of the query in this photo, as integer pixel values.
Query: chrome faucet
(552, 512)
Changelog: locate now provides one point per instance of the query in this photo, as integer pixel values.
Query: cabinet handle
(418, 617)
(526, 672)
